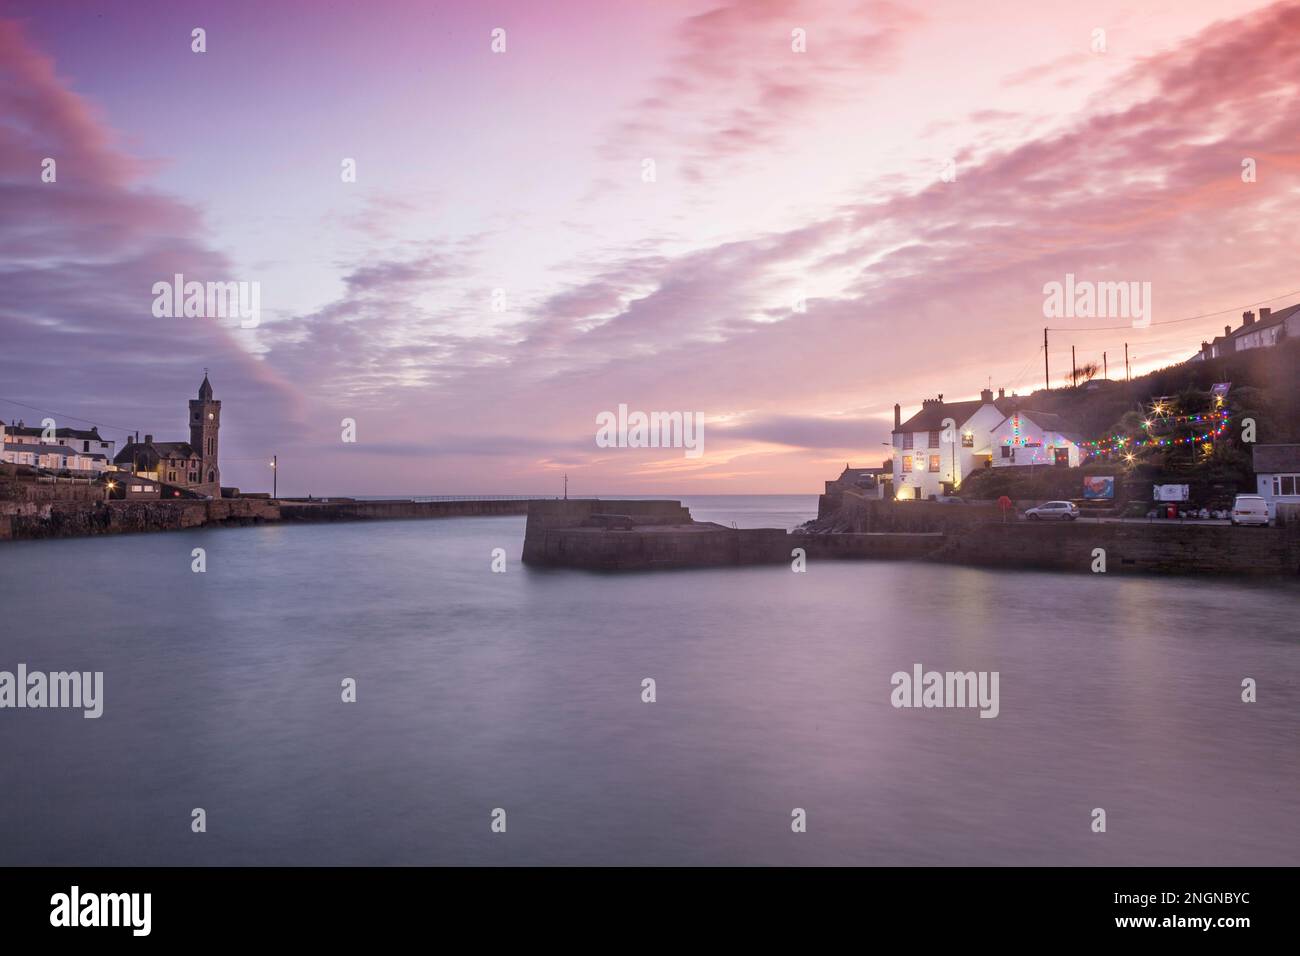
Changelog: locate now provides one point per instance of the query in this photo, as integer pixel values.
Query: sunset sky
(778, 175)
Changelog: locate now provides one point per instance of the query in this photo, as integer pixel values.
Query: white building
(1035, 438)
(1277, 474)
(90, 452)
(52, 458)
(1266, 332)
(943, 443)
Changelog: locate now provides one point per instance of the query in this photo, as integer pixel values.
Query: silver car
(1058, 510)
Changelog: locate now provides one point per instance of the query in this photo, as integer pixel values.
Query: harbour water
(523, 691)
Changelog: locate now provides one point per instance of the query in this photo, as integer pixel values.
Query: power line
(1190, 318)
(57, 415)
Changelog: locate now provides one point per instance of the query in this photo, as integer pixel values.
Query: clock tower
(205, 421)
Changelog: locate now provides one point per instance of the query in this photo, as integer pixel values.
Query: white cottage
(1026, 437)
(1277, 474)
(940, 445)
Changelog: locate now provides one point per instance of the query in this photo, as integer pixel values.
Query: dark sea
(522, 691)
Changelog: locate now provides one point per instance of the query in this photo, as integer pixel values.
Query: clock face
(211, 416)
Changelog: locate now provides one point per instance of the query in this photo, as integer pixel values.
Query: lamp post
(275, 476)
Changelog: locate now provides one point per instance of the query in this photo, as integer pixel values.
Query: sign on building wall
(1169, 492)
(1098, 487)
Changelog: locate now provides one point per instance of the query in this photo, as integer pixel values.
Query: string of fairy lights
(1215, 423)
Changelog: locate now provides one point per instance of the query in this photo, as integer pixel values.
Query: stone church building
(190, 465)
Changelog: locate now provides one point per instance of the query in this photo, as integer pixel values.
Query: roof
(162, 449)
(931, 417)
(45, 449)
(175, 449)
(1275, 459)
(1048, 421)
(205, 390)
(32, 431)
(79, 433)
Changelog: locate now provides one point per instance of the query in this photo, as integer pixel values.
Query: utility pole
(275, 476)
(1128, 377)
(1105, 369)
(1047, 378)
(566, 486)
(1074, 369)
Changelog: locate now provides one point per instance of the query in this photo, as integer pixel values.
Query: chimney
(1002, 393)
(1227, 330)
(148, 439)
(1264, 314)
(898, 415)
(1205, 349)
(1247, 318)
(986, 395)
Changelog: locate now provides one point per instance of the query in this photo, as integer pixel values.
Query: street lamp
(275, 476)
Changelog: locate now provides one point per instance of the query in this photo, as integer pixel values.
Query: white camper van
(1250, 509)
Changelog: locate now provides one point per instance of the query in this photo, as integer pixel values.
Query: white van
(1250, 509)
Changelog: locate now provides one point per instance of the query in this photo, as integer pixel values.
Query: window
(907, 440)
(1006, 451)
(934, 463)
(1286, 485)
(934, 439)
(137, 488)
(907, 464)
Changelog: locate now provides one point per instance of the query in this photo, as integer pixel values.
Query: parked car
(1057, 510)
(950, 499)
(1250, 509)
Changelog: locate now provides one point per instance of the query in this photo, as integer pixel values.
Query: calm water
(522, 691)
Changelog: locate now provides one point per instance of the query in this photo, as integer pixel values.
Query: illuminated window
(907, 464)
(934, 463)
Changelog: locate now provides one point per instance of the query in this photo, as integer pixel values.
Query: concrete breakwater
(646, 535)
(79, 517)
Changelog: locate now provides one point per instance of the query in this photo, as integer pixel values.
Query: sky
(782, 216)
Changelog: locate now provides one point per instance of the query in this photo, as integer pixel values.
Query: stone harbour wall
(66, 519)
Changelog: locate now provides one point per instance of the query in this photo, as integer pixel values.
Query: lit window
(934, 463)
(907, 464)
